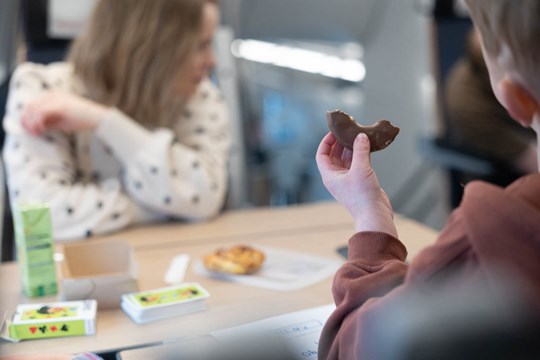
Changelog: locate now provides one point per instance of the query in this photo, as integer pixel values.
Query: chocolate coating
(345, 129)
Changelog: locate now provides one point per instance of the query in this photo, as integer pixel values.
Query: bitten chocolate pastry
(345, 129)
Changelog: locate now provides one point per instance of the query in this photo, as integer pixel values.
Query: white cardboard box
(103, 271)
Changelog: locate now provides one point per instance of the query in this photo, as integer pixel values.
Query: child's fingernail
(363, 137)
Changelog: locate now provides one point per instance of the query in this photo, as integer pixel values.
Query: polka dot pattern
(180, 179)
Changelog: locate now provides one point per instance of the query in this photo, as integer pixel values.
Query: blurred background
(282, 65)
(284, 107)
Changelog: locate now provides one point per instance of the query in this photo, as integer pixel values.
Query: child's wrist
(379, 218)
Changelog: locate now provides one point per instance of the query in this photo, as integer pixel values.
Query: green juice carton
(35, 250)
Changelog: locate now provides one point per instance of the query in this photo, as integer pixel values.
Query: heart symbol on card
(54, 328)
(33, 330)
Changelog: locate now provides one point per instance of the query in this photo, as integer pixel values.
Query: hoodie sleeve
(376, 265)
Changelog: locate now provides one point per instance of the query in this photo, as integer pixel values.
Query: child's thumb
(361, 152)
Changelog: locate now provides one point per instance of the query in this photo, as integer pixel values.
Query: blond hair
(131, 53)
(514, 25)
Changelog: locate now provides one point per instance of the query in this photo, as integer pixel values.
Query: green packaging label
(35, 249)
(48, 330)
(58, 319)
(166, 296)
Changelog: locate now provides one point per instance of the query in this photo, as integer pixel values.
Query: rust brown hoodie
(494, 231)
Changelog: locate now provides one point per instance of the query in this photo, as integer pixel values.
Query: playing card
(58, 319)
(164, 302)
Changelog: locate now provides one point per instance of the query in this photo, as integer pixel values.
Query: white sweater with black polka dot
(120, 174)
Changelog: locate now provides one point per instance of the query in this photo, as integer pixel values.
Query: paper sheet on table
(299, 331)
(282, 270)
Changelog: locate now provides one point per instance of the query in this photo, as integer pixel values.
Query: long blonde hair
(131, 53)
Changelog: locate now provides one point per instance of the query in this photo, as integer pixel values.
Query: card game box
(102, 271)
(146, 306)
(58, 319)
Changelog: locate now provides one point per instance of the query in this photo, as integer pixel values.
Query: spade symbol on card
(43, 329)
(64, 328)
(33, 329)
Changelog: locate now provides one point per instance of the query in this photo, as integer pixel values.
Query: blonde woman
(129, 129)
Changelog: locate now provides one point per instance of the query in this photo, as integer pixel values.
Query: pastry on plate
(238, 259)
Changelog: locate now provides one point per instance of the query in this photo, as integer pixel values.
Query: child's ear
(519, 102)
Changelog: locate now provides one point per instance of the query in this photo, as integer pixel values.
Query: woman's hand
(351, 180)
(61, 111)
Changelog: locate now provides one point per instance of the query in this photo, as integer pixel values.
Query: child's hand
(61, 111)
(349, 177)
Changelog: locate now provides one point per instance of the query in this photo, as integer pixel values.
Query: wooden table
(313, 229)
